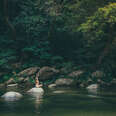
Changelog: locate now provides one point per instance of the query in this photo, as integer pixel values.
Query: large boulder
(75, 73)
(28, 72)
(25, 75)
(47, 73)
(59, 91)
(36, 92)
(64, 82)
(11, 96)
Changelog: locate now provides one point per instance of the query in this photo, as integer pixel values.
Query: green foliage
(99, 31)
(101, 25)
(59, 33)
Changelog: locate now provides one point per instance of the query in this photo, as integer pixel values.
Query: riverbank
(53, 77)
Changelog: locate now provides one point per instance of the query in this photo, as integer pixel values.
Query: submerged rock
(11, 96)
(59, 91)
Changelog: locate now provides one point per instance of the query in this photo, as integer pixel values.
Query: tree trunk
(11, 27)
(104, 53)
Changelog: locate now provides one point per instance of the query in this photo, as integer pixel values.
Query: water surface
(62, 102)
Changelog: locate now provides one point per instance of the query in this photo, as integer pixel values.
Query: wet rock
(28, 72)
(46, 73)
(52, 86)
(59, 91)
(21, 80)
(36, 93)
(12, 85)
(93, 87)
(93, 96)
(64, 82)
(11, 96)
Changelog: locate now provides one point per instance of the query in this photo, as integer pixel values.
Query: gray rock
(12, 85)
(21, 79)
(36, 93)
(46, 73)
(64, 81)
(52, 86)
(36, 90)
(59, 91)
(28, 72)
(93, 86)
(93, 89)
(76, 73)
(11, 96)
(26, 79)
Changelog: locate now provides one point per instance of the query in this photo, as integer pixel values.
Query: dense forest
(70, 34)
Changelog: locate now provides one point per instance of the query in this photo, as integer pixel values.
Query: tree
(99, 29)
(6, 17)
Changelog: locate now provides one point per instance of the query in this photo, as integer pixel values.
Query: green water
(62, 102)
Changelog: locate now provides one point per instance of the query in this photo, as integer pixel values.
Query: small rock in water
(11, 96)
(93, 86)
(36, 90)
(52, 86)
(12, 85)
(59, 91)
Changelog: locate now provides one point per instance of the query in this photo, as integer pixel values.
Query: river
(62, 102)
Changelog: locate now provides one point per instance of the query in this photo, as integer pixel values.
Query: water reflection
(68, 103)
(37, 101)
